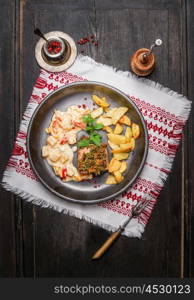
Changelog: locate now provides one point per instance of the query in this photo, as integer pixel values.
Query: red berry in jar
(54, 47)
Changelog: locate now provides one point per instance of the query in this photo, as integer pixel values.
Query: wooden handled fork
(136, 211)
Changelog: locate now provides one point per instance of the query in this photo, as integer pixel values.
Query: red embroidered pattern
(144, 185)
(158, 113)
(155, 167)
(61, 79)
(22, 135)
(19, 159)
(160, 130)
(22, 167)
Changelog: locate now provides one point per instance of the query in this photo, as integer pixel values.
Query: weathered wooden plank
(189, 148)
(7, 211)
(58, 245)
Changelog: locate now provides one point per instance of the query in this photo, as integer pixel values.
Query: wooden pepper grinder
(143, 60)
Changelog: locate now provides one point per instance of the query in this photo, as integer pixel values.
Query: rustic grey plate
(96, 190)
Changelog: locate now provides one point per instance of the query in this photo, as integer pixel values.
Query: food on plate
(91, 129)
(92, 159)
(110, 112)
(110, 180)
(97, 113)
(132, 143)
(62, 132)
(112, 145)
(118, 113)
(114, 165)
(123, 148)
(117, 139)
(92, 154)
(104, 121)
(51, 141)
(125, 120)
(118, 129)
(135, 130)
(120, 155)
(118, 176)
(128, 133)
(123, 166)
(108, 129)
(100, 101)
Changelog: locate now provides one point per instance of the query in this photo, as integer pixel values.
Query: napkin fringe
(136, 232)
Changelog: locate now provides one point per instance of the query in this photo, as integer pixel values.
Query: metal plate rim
(86, 202)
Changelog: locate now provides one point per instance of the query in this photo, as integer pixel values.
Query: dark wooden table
(41, 242)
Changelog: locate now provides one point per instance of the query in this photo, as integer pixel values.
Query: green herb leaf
(96, 139)
(84, 143)
(95, 133)
(94, 136)
(89, 128)
(98, 126)
(88, 119)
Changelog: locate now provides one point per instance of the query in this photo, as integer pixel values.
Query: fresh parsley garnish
(91, 127)
(84, 143)
(95, 138)
(98, 126)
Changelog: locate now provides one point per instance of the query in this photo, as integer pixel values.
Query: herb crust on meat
(93, 159)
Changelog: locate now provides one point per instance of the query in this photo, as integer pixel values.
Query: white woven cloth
(165, 113)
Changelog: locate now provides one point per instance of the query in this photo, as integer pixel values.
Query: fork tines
(139, 207)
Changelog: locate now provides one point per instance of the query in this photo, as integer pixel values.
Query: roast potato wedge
(128, 133)
(125, 120)
(112, 145)
(114, 165)
(118, 113)
(110, 179)
(118, 176)
(121, 155)
(97, 112)
(123, 166)
(132, 142)
(135, 130)
(108, 129)
(110, 112)
(117, 139)
(118, 129)
(123, 148)
(104, 121)
(100, 101)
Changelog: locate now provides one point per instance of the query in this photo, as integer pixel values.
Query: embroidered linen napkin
(165, 113)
